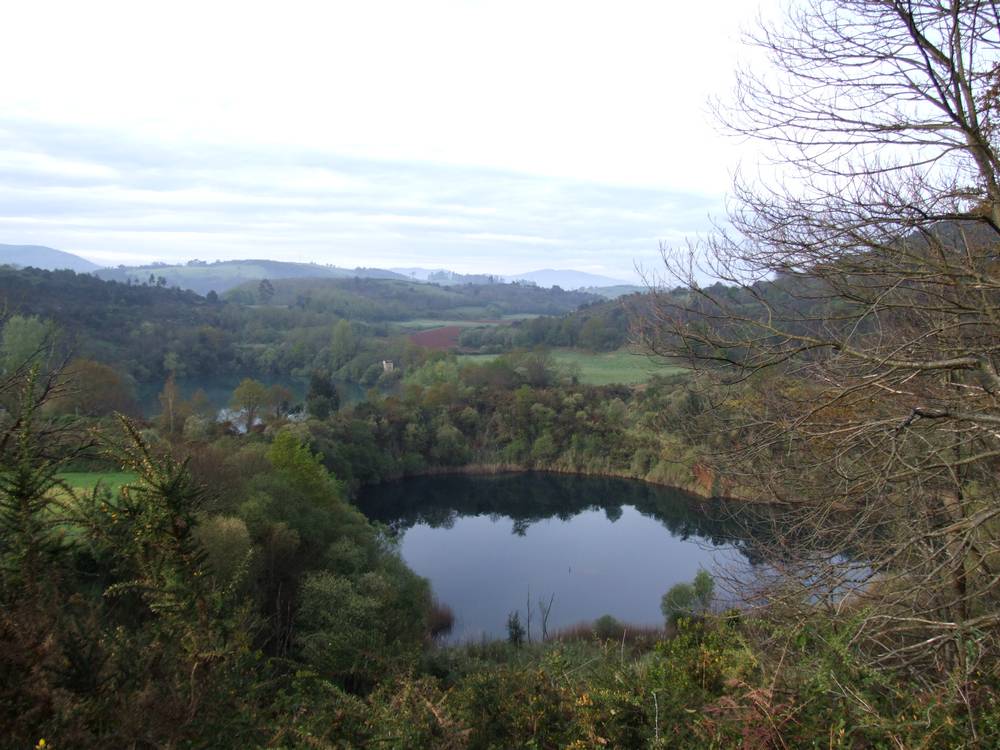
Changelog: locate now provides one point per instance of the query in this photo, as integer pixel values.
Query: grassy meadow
(86, 480)
(600, 368)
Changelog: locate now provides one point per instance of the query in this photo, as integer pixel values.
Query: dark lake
(600, 546)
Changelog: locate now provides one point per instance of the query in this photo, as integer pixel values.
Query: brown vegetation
(444, 338)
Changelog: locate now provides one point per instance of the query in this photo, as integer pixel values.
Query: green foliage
(607, 627)
(343, 345)
(322, 399)
(678, 602)
(688, 599)
(370, 299)
(596, 326)
(248, 398)
(516, 708)
(113, 480)
(30, 484)
(228, 547)
(265, 291)
(356, 630)
(515, 630)
(704, 588)
(23, 343)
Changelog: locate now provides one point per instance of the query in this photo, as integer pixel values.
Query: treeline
(147, 332)
(609, 325)
(518, 410)
(599, 327)
(377, 300)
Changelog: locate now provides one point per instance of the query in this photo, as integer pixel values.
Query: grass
(84, 482)
(88, 480)
(605, 368)
(600, 368)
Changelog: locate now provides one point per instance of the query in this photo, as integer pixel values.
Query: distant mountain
(45, 258)
(221, 276)
(567, 279)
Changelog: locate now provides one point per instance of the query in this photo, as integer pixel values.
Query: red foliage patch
(445, 337)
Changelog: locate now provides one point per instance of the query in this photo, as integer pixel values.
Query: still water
(598, 546)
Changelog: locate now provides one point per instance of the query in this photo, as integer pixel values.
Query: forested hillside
(221, 276)
(380, 300)
(148, 330)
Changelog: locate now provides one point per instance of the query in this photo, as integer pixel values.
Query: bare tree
(851, 352)
(546, 609)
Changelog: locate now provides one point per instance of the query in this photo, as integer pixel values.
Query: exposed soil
(443, 338)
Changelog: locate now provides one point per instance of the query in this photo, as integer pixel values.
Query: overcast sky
(477, 136)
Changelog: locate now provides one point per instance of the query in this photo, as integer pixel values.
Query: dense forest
(147, 331)
(381, 300)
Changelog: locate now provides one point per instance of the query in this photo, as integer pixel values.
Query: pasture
(87, 480)
(599, 368)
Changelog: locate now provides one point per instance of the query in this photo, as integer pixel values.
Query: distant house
(388, 365)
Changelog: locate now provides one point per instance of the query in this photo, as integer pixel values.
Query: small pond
(594, 545)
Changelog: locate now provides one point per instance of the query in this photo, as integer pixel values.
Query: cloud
(115, 198)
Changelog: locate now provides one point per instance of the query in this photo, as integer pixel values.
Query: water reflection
(490, 544)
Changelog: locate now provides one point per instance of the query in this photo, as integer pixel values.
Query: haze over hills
(613, 292)
(221, 276)
(567, 279)
(45, 258)
(549, 277)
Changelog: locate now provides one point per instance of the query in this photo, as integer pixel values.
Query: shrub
(688, 599)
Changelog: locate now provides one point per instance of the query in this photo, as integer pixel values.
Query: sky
(477, 136)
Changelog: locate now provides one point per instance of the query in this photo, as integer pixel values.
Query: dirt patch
(443, 338)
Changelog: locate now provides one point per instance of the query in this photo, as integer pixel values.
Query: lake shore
(696, 487)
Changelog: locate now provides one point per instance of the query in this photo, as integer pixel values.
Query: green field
(88, 480)
(600, 368)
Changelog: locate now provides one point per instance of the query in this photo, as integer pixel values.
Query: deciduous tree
(853, 354)
(248, 398)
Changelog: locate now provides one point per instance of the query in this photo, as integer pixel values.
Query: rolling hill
(45, 258)
(375, 299)
(567, 279)
(221, 276)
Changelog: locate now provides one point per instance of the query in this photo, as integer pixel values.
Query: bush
(607, 627)
(688, 599)
(515, 630)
